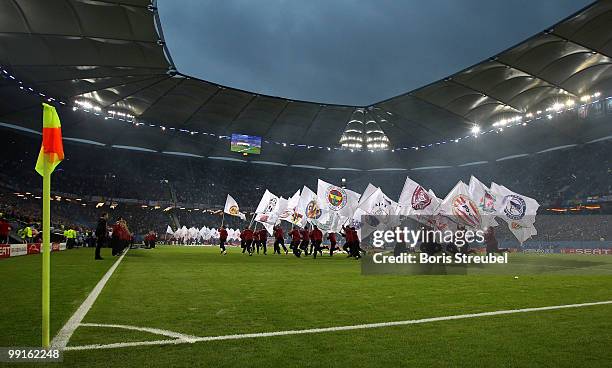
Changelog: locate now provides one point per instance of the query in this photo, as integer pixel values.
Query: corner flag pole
(46, 256)
(51, 154)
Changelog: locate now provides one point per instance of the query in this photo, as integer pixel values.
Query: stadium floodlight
(585, 98)
(557, 106)
(476, 128)
(596, 94)
(569, 103)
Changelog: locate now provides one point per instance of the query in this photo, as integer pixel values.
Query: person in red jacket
(222, 239)
(262, 241)
(348, 241)
(5, 229)
(248, 240)
(295, 241)
(279, 239)
(332, 243)
(304, 235)
(316, 237)
(243, 240)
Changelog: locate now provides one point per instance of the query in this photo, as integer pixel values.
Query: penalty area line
(328, 329)
(63, 336)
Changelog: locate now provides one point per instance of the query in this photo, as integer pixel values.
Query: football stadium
(375, 184)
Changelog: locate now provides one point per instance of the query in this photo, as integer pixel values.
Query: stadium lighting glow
(476, 129)
(353, 141)
(557, 106)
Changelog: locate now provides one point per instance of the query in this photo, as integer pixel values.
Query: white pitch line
(63, 336)
(155, 331)
(330, 329)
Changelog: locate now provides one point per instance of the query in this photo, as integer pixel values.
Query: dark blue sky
(342, 51)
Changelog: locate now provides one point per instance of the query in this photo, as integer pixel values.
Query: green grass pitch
(195, 291)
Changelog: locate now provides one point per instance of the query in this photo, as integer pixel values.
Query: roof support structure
(497, 60)
(552, 33)
(451, 80)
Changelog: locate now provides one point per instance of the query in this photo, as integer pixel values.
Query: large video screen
(247, 144)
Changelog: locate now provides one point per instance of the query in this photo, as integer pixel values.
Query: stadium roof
(102, 59)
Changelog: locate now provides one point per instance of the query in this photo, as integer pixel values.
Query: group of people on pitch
(303, 241)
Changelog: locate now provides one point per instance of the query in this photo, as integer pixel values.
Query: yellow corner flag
(51, 154)
(52, 149)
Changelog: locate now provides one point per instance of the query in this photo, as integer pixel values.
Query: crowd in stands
(548, 177)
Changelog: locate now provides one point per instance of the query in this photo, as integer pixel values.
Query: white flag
(461, 208)
(308, 208)
(518, 211)
(231, 208)
(169, 230)
(378, 204)
(267, 203)
(289, 213)
(486, 201)
(338, 200)
(416, 201)
(367, 193)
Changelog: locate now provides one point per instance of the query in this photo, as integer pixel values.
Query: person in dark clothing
(316, 239)
(222, 239)
(492, 245)
(101, 234)
(5, 230)
(295, 241)
(332, 243)
(304, 235)
(348, 240)
(279, 240)
(263, 239)
(356, 244)
(248, 241)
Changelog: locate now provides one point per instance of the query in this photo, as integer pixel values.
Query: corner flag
(52, 149)
(51, 154)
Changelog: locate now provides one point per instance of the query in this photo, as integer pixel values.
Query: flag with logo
(231, 208)
(169, 230)
(517, 210)
(338, 200)
(308, 208)
(267, 210)
(461, 208)
(415, 201)
(485, 199)
(288, 212)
